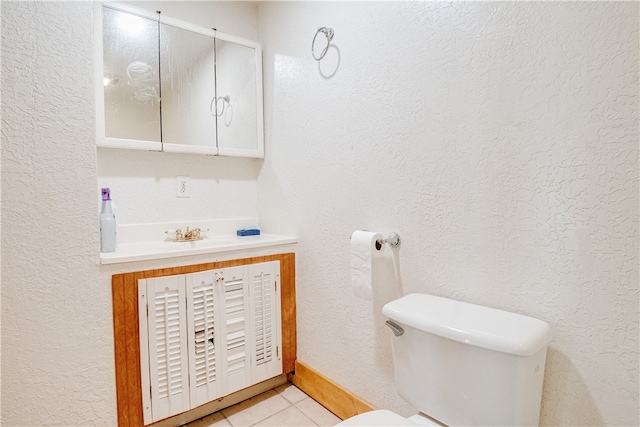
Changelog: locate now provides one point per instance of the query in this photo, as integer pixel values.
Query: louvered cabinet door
(236, 365)
(264, 304)
(167, 350)
(203, 318)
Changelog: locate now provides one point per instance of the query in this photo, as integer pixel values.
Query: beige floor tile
(256, 409)
(214, 420)
(318, 413)
(290, 417)
(290, 392)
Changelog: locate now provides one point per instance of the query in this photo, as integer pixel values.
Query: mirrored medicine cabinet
(168, 85)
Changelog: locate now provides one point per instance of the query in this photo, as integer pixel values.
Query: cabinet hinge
(275, 286)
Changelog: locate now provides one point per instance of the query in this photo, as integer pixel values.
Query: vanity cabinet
(207, 334)
(211, 329)
(168, 85)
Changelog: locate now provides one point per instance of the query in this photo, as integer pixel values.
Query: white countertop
(128, 252)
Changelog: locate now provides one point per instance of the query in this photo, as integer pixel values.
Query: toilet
(461, 364)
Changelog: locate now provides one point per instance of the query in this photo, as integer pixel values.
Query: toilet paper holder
(393, 240)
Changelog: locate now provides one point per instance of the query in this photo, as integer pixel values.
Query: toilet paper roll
(363, 253)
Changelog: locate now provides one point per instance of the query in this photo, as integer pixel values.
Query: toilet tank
(464, 364)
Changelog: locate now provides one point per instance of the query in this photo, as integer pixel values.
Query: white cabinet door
(212, 88)
(266, 361)
(167, 346)
(235, 349)
(203, 320)
(206, 335)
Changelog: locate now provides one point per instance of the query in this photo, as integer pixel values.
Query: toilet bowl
(461, 364)
(383, 417)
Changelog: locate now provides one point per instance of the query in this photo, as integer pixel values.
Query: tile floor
(281, 407)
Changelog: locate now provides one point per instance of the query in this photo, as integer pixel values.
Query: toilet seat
(381, 417)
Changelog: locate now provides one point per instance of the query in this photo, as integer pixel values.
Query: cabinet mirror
(239, 119)
(130, 79)
(168, 85)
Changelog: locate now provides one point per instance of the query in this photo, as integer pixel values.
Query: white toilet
(461, 364)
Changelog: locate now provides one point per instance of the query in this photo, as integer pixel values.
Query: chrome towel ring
(226, 101)
(328, 33)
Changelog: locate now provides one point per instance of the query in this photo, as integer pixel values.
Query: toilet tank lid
(471, 324)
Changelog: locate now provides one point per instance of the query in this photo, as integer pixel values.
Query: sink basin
(167, 248)
(206, 242)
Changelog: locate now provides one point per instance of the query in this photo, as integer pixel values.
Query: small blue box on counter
(248, 232)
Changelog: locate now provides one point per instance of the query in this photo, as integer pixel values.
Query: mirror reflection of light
(130, 24)
(106, 81)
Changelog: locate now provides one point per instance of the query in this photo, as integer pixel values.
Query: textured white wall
(57, 341)
(501, 141)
